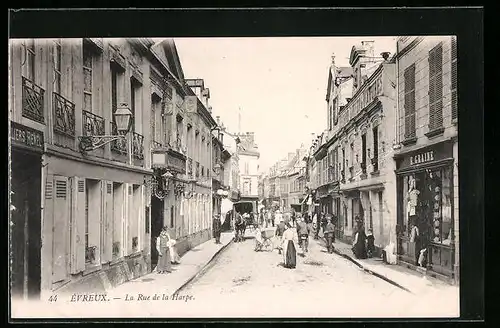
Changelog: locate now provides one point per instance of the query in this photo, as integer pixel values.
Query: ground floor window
(425, 218)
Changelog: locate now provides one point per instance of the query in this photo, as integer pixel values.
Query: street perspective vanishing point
(234, 177)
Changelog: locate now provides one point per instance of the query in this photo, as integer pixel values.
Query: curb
(361, 266)
(203, 268)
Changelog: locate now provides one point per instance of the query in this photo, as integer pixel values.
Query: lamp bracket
(89, 143)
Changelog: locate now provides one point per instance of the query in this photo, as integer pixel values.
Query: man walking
(217, 228)
(328, 232)
(303, 232)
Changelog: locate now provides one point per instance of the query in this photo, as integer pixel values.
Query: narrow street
(253, 283)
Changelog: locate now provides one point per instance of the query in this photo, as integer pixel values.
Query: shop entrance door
(26, 225)
(339, 225)
(157, 206)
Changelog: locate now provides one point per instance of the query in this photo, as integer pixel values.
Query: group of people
(167, 254)
(364, 243)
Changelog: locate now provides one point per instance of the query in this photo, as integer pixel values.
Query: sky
(278, 85)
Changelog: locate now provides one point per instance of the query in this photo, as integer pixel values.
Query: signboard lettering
(26, 136)
(422, 158)
(195, 83)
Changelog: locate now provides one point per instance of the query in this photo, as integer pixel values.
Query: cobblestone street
(323, 285)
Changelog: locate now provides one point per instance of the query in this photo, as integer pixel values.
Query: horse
(240, 227)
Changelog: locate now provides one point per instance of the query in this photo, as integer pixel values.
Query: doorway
(157, 213)
(26, 225)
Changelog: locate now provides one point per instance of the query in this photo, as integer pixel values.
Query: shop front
(426, 220)
(25, 207)
(325, 200)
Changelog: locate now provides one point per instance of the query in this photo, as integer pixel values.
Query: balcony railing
(32, 98)
(137, 145)
(197, 170)
(119, 145)
(64, 115)
(93, 125)
(190, 166)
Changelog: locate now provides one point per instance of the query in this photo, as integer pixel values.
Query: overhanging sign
(25, 136)
(195, 83)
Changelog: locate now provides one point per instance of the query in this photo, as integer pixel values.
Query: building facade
(427, 153)
(84, 213)
(248, 158)
(90, 216)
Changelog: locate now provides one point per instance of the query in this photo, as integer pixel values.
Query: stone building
(427, 153)
(81, 218)
(248, 156)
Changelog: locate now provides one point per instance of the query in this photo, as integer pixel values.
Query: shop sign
(26, 136)
(176, 164)
(195, 83)
(429, 154)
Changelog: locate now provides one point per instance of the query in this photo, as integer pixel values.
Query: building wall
(248, 168)
(66, 170)
(416, 51)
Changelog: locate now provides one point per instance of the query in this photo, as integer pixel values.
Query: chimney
(333, 59)
(368, 45)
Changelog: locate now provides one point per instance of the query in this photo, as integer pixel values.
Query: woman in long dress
(290, 240)
(359, 248)
(174, 257)
(162, 246)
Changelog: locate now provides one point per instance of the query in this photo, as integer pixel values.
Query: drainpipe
(397, 144)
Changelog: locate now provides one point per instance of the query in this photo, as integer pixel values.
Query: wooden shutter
(78, 226)
(409, 105)
(454, 100)
(107, 221)
(60, 249)
(436, 87)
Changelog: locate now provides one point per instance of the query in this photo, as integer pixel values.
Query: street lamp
(122, 117)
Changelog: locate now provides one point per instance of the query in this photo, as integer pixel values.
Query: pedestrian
(324, 221)
(258, 239)
(174, 257)
(303, 233)
(278, 216)
(290, 239)
(329, 233)
(216, 228)
(370, 243)
(162, 246)
(359, 247)
(280, 229)
(318, 224)
(238, 222)
(261, 218)
(294, 219)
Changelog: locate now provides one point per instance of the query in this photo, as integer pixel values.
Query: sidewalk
(191, 264)
(407, 279)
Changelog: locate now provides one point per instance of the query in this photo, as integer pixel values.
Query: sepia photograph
(234, 177)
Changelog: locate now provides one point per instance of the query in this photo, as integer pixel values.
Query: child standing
(370, 243)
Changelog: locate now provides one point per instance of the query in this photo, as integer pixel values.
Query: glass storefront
(425, 236)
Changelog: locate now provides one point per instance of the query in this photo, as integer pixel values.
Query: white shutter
(78, 226)
(61, 197)
(106, 221)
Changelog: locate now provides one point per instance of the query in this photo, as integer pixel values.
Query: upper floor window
(88, 72)
(454, 100)
(56, 60)
(436, 87)
(409, 101)
(28, 66)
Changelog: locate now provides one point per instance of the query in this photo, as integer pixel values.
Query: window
(57, 66)
(29, 62)
(134, 89)
(436, 88)
(409, 102)
(352, 155)
(114, 89)
(375, 149)
(454, 100)
(87, 78)
(334, 112)
(363, 155)
(92, 221)
(155, 118)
